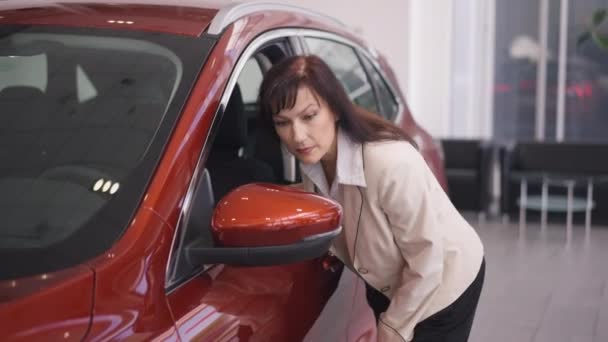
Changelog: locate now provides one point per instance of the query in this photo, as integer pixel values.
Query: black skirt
(451, 324)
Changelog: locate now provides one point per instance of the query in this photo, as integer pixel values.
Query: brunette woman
(422, 262)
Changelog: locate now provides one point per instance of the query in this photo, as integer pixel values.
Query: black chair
(468, 170)
(556, 160)
(227, 164)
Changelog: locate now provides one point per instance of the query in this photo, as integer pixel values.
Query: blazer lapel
(352, 205)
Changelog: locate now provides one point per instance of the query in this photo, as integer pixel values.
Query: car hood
(54, 306)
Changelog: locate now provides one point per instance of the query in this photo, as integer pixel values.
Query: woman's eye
(280, 123)
(309, 116)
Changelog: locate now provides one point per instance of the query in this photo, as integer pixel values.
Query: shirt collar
(349, 167)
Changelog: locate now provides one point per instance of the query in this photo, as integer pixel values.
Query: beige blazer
(404, 237)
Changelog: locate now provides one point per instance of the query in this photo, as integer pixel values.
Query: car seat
(227, 165)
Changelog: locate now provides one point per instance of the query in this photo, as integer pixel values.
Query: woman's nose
(298, 133)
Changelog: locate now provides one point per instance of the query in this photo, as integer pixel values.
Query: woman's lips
(306, 150)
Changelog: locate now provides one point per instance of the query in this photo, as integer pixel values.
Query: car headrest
(20, 93)
(233, 128)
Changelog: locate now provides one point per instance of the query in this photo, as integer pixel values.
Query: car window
(80, 113)
(386, 100)
(343, 61)
(250, 80)
(232, 162)
(72, 129)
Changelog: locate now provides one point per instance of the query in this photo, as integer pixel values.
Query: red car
(124, 130)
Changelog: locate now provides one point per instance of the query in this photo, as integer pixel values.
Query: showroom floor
(539, 288)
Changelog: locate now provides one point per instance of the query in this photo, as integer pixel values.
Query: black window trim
(386, 112)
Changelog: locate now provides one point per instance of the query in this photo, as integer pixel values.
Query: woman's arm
(406, 195)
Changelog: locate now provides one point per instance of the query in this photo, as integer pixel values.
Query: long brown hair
(280, 88)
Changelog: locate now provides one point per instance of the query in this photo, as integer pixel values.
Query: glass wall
(518, 90)
(517, 57)
(586, 116)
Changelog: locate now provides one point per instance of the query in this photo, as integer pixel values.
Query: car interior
(75, 115)
(242, 152)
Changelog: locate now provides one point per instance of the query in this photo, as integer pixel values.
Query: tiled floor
(540, 288)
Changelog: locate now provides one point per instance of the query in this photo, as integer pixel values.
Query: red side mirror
(256, 215)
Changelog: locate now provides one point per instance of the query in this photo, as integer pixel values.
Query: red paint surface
(169, 19)
(47, 307)
(272, 215)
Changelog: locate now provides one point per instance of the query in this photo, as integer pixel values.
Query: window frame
(360, 49)
(366, 82)
(385, 112)
(286, 37)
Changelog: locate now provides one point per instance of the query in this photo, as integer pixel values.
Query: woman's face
(308, 130)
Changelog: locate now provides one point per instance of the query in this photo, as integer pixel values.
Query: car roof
(187, 17)
(178, 17)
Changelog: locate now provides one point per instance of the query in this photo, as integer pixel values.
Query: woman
(422, 262)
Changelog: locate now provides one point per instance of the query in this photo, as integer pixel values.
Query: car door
(222, 302)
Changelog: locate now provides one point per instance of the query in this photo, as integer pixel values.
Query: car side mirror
(265, 224)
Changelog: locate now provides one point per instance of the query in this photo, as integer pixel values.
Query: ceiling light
(114, 188)
(106, 186)
(98, 184)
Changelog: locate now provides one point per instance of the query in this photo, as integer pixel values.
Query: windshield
(84, 115)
